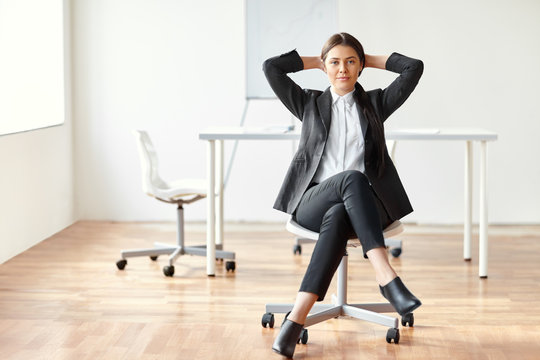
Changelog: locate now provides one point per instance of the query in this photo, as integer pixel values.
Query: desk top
(283, 133)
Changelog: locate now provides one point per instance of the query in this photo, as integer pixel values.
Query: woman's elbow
(269, 66)
(419, 67)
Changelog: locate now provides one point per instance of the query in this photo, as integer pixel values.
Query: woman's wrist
(376, 61)
(312, 62)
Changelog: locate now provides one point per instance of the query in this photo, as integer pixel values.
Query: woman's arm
(276, 70)
(312, 62)
(410, 70)
(376, 61)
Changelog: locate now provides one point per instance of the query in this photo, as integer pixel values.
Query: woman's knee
(354, 178)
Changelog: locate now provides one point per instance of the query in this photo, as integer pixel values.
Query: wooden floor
(65, 299)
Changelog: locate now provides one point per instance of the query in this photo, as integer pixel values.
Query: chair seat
(292, 226)
(180, 188)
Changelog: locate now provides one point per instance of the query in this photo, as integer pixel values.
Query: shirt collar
(348, 97)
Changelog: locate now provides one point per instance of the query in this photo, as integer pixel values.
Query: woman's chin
(342, 90)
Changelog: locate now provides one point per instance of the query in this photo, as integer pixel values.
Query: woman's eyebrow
(350, 57)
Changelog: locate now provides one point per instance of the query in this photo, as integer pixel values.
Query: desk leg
(467, 231)
(210, 212)
(219, 192)
(483, 234)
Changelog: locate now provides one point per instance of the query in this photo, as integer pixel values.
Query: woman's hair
(361, 96)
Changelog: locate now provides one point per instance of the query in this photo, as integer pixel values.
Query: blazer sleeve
(276, 70)
(410, 70)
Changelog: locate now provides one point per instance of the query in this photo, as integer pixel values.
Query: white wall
(155, 65)
(36, 181)
(481, 70)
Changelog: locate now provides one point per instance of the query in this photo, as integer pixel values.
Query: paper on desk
(274, 129)
(418, 131)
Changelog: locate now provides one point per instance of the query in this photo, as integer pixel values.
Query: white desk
(468, 135)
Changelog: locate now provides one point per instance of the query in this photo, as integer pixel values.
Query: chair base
(323, 312)
(371, 312)
(175, 251)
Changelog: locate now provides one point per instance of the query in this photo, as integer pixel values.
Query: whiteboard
(31, 64)
(278, 26)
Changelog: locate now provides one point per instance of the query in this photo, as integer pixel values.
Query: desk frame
(215, 151)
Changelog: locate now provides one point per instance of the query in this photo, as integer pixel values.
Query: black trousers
(340, 208)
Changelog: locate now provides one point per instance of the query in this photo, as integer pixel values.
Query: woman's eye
(351, 61)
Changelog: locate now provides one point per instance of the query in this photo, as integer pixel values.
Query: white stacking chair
(180, 192)
(321, 312)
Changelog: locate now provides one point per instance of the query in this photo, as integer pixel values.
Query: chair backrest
(149, 163)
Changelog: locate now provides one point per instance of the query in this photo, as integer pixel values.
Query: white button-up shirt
(345, 144)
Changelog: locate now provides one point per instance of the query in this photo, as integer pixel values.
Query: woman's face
(342, 66)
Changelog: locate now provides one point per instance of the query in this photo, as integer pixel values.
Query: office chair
(340, 307)
(179, 192)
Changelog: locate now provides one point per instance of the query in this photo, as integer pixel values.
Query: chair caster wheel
(392, 334)
(230, 265)
(153, 258)
(121, 264)
(395, 252)
(303, 337)
(297, 249)
(268, 319)
(168, 270)
(407, 318)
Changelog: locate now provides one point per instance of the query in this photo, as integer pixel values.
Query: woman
(341, 182)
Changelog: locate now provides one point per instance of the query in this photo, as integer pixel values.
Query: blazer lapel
(324, 103)
(364, 124)
(363, 121)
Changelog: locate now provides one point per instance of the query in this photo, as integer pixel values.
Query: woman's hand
(312, 62)
(376, 61)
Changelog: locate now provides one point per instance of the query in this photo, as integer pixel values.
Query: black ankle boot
(287, 338)
(399, 296)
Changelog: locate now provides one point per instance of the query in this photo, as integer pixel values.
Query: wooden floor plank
(65, 299)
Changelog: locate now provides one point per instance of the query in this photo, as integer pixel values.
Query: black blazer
(314, 109)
